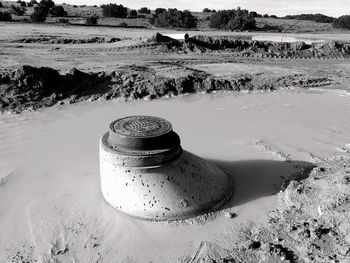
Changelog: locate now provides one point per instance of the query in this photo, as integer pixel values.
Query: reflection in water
(176, 36)
(283, 38)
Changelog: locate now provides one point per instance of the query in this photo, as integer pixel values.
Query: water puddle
(284, 38)
(52, 207)
(178, 36)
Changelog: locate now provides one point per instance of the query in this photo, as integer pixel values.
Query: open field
(271, 109)
(234, 64)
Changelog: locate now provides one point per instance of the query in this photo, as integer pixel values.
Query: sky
(334, 8)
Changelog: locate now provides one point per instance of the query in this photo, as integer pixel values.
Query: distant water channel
(283, 38)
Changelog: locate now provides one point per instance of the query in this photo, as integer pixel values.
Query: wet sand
(50, 201)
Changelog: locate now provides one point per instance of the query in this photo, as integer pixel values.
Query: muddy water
(50, 202)
(284, 38)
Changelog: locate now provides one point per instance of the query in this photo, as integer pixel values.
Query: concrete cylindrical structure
(146, 174)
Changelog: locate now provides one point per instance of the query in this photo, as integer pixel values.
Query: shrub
(1, 5)
(174, 18)
(277, 28)
(33, 2)
(18, 10)
(5, 16)
(273, 16)
(144, 10)
(232, 20)
(206, 10)
(24, 4)
(114, 10)
(132, 14)
(75, 6)
(266, 16)
(91, 20)
(58, 11)
(342, 22)
(63, 20)
(141, 16)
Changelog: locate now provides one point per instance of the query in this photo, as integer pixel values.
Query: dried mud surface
(31, 88)
(311, 223)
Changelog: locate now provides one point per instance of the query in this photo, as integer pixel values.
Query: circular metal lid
(140, 126)
(143, 141)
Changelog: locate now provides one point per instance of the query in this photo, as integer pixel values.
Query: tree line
(233, 19)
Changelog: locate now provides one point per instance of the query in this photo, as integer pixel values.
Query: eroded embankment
(30, 88)
(311, 223)
(251, 48)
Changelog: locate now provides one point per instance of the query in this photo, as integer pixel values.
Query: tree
(5, 16)
(206, 10)
(58, 11)
(174, 18)
(144, 10)
(266, 16)
(342, 22)
(239, 19)
(48, 4)
(18, 10)
(158, 11)
(253, 14)
(42, 10)
(319, 18)
(132, 14)
(114, 10)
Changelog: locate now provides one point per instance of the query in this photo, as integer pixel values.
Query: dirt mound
(311, 223)
(54, 40)
(161, 39)
(30, 88)
(252, 48)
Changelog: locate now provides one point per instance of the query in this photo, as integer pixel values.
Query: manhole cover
(146, 174)
(141, 126)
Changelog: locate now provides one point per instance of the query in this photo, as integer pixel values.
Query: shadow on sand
(253, 179)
